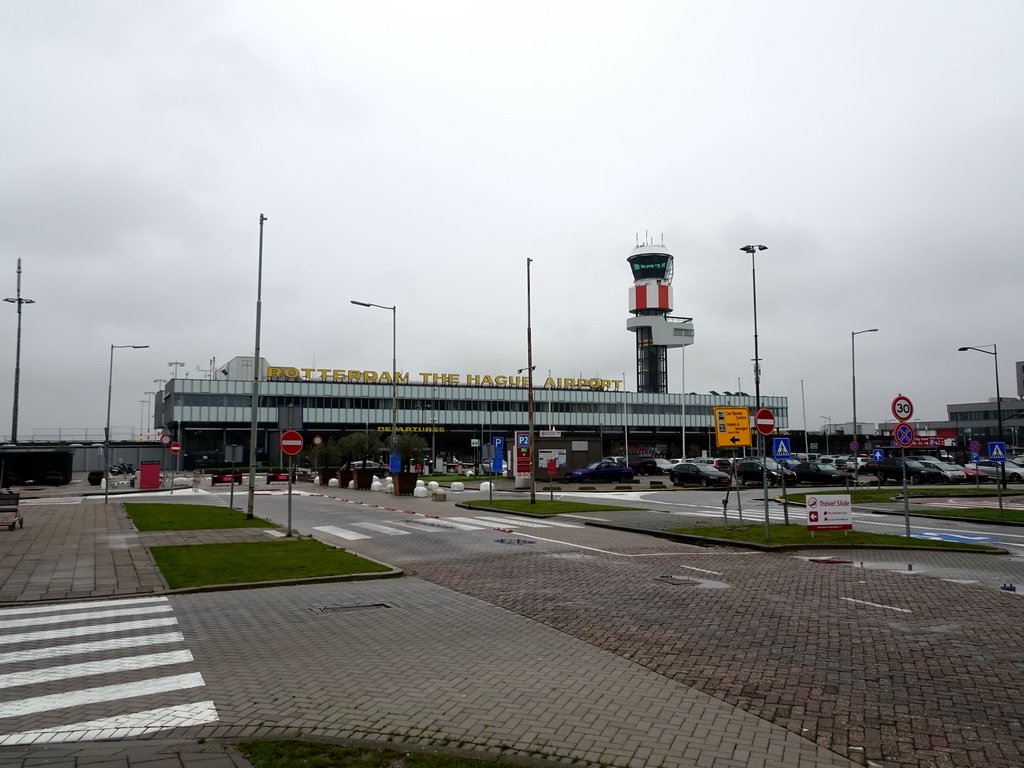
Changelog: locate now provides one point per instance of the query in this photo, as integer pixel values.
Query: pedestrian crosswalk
(428, 524)
(120, 659)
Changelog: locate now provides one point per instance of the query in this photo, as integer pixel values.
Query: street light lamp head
(360, 303)
(752, 248)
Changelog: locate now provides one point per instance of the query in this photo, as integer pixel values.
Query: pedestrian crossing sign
(997, 451)
(780, 448)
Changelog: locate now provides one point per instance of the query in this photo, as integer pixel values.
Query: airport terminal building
(456, 413)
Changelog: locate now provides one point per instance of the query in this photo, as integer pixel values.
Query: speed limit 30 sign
(902, 408)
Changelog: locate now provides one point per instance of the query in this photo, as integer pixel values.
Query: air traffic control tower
(650, 301)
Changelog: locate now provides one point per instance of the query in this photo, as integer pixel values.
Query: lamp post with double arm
(106, 432)
(393, 448)
(999, 409)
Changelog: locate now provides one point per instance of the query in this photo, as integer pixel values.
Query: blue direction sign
(877, 454)
(498, 462)
(997, 451)
(903, 435)
(780, 448)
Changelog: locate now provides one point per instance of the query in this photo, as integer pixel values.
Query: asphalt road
(889, 658)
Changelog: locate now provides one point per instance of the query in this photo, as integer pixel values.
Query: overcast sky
(417, 154)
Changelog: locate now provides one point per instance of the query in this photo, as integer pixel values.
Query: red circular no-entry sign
(291, 442)
(764, 421)
(175, 448)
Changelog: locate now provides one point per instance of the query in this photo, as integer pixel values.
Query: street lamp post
(853, 373)
(17, 355)
(829, 420)
(394, 370)
(106, 433)
(999, 408)
(254, 408)
(149, 410)
(752, 249)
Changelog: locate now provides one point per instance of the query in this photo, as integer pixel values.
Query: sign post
(903, 435)
(997, 453)
(780, 449)
(175, 449)
(291, 444)
(764, 423)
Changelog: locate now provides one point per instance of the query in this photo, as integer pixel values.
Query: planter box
(405, 482)
(363, 478)
(345, 476)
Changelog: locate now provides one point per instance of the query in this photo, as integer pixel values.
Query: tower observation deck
(650, 302)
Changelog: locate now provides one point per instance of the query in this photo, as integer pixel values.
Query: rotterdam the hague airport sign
(275, 373)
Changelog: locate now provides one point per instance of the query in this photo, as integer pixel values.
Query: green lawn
(288, 754)
(798, 534)
(189, 517)
(240, 563)
(895, 493)
(543, 506)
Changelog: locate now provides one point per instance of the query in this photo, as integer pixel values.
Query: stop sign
(291, 442)
(764, 421)
(175, 448)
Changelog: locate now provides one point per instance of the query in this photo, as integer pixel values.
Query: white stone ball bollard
(420, 492)
(332, 483)
(376, 485)
(457, 486)
(485, 486)
(433, 485)
(351, 485)
(420, 484)
(470, 473)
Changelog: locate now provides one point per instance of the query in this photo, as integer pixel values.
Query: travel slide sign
(466, 379)
(829, 513)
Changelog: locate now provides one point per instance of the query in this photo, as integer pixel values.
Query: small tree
(328, 453)
(361, 446)
(411, 447)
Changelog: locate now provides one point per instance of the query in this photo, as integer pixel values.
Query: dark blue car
(600, 472)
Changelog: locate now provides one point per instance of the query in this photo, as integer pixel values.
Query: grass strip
(893, 494)
(543, 507)
(1010, 515)
(288, 754)
(782, 535)
(189, 517)
(201, 565)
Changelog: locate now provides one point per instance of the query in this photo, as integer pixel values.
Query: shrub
(96, 477)
(53, 477)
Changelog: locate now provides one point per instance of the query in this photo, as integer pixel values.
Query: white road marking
(877, 605)
(98, 646)
(121, 726)
(69, 671)
(445, 523)
(65, 618)
(102, 693)
(341, 533)
(518, 521)
(100, 629)
(382, 529)
(619, 554)
(81, 606)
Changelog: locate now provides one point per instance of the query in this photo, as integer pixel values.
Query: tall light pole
(394, 369)
(142, 417)
(829, 420)
(529, 395)
(106, 433)
(255, 406)
(752, 249)
(149, 410)
(17, 355)
(853, 373)
(176, 365)
(999, 402)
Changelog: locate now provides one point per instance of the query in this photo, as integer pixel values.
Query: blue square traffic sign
(997, 451)
(780, 448)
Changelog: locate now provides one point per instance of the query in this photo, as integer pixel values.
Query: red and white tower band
(650, 301)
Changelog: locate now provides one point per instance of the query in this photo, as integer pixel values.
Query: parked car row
(706, 471)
